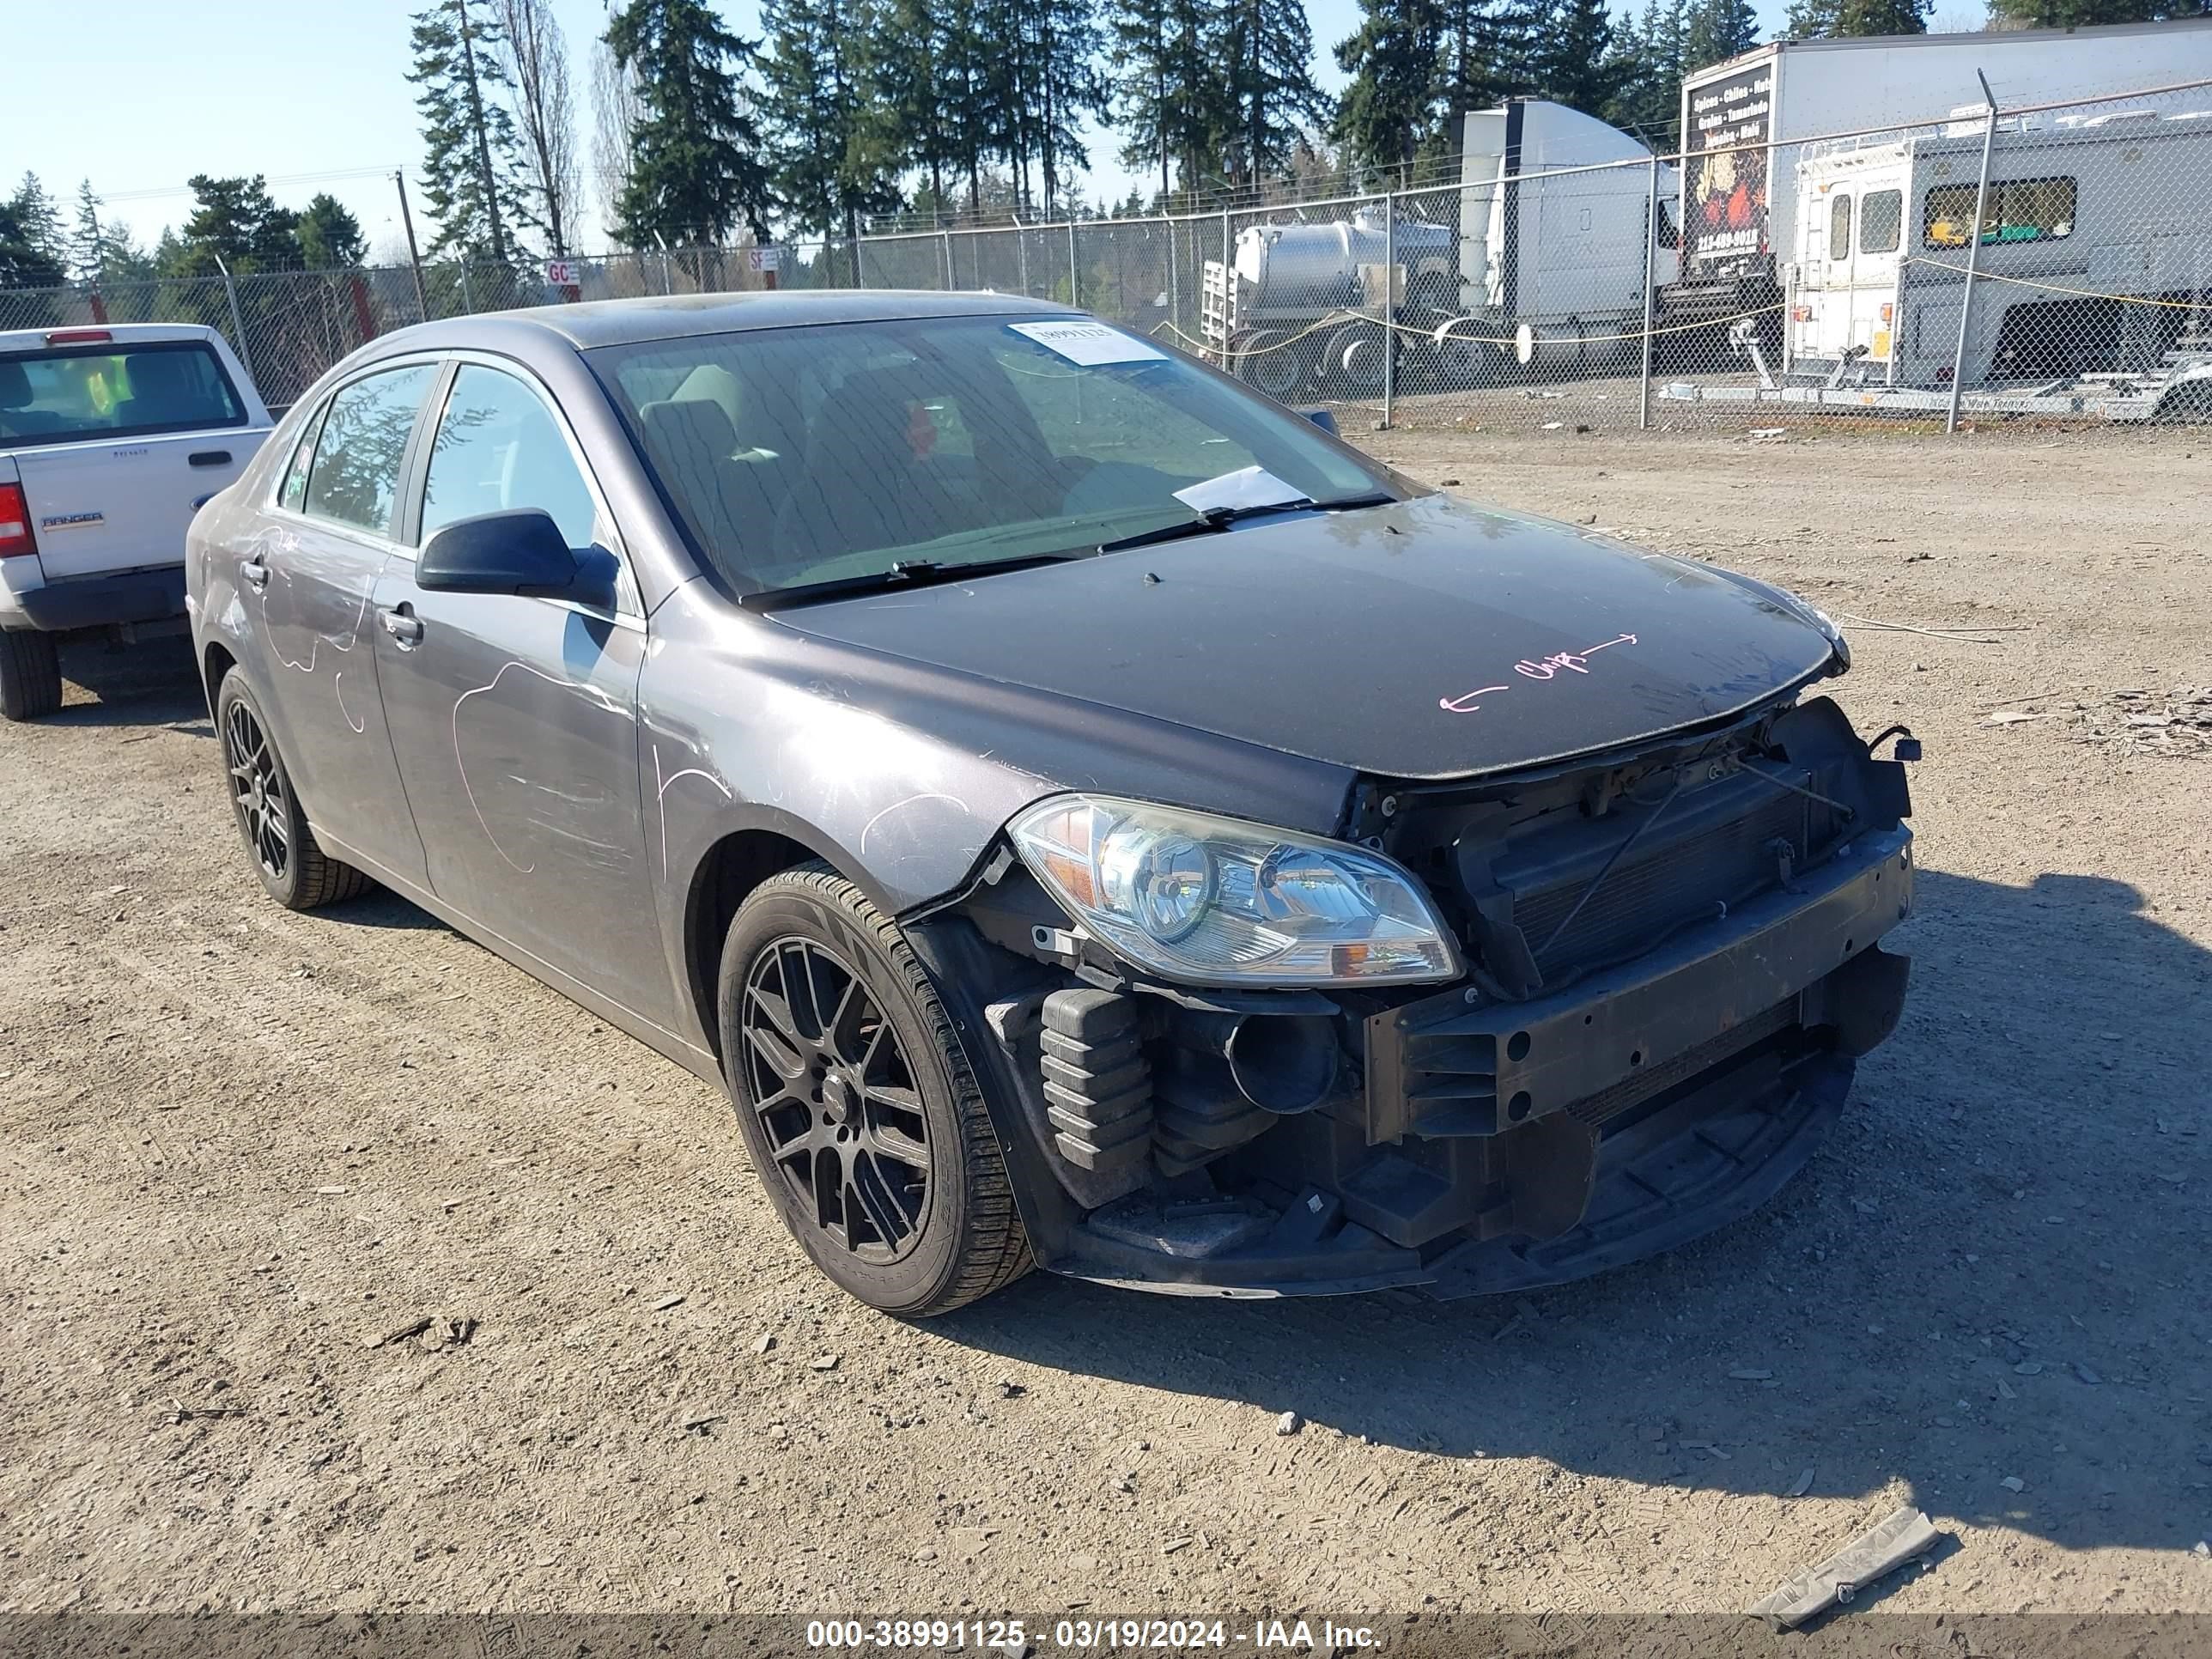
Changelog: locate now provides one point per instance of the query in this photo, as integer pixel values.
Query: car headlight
(1211, 901)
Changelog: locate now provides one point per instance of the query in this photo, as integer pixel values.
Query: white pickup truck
(111, 438)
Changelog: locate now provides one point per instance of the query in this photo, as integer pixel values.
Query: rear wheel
(30, 676)
(857, 1102)
(296, 871)
(1269, 362)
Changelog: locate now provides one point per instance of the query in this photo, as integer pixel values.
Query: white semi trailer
(1744, 120)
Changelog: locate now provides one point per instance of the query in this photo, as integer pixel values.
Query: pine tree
(470, 159)
(969, 69)
(1062, 85)
(1862, 17)
(1810, 20)
(1492, 50)
(1174, 94)
(234, 221)
(329, 236)
(833, 137)
(1271, 55)
(39, 217)
(1388, 108)
(1713, 30)
(1650, 58)
(910, 62)
(700, 170)
(1576, 64)
(2080, 14)
(87, 242)
(24, 263)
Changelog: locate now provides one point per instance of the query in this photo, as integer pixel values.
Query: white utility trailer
(1746, 123)
(2094, 270)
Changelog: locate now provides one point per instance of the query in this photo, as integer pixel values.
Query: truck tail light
(62, 336)
(14, 522)
(1888, 311)
(1800, 313)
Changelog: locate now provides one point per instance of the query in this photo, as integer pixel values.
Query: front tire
(294, 869)
(30, 675)
(857, 1102)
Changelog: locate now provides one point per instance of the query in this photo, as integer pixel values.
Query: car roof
(625, 322)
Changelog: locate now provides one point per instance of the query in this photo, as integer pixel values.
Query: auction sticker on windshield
(1090, 344)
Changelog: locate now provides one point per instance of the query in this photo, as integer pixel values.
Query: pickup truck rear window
(74, 394)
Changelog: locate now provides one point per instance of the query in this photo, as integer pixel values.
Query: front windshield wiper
(1221, 518)
(903, 573)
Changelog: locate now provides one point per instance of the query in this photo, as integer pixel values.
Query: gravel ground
(245, 1155)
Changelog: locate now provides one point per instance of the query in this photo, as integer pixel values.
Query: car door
(515, 719)
(309, 581)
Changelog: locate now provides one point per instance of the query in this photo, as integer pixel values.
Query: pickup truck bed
(111, 438)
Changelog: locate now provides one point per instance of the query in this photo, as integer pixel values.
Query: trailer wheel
(1267, 362)
(1352, 362)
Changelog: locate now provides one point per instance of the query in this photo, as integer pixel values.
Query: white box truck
(1742, 119)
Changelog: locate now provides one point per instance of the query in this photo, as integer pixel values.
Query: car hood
(1427, 639)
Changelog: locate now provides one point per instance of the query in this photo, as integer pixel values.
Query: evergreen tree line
(846, 110)
(234, 224)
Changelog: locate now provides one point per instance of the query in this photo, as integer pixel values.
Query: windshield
(117, 391)
(821, 454)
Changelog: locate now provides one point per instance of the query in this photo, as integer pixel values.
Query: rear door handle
(404, 625)
(208, 458)
(255, 572)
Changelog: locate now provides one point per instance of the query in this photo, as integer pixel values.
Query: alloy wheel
(257, 787)
(836, 1098)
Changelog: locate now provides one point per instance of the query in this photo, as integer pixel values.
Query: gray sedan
(1083, 813)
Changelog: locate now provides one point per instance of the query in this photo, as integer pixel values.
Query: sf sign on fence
(561, 273)
(763, 259)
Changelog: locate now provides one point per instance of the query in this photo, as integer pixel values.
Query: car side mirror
(1323, 419)
(520, 551)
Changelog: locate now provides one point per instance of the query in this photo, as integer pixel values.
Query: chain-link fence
(2053, 262)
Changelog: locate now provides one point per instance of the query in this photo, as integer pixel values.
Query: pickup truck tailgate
(103, 507)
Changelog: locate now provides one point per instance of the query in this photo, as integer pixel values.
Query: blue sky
(159, 90)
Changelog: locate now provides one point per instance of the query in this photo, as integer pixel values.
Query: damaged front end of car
(1652, 975)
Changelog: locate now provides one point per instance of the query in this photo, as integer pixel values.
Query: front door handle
(255, 572)
(403, 624)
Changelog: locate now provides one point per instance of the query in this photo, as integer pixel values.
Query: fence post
(1650, 272)
(237, 324)
(949, 282)
(1022, 252)
(468, 294)
(1228, 291)
(1074, 277)
(1973, 254)
(1389, 306)
(860, 264)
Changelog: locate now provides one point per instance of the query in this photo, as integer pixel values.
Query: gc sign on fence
(561, 273)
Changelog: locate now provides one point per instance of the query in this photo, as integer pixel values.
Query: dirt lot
(239, 1146)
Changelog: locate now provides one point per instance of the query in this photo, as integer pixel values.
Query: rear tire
(862, 1115)
(1267, 361)
(30, 676)
(294, 869)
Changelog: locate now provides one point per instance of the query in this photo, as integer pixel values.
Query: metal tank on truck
(1309, 300)
(1538, 258)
